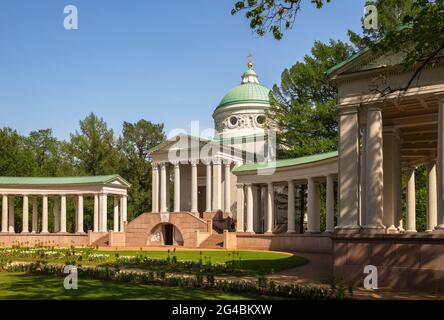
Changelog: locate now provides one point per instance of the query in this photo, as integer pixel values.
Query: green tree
(94, 148)
(136, 140)
(15, 158)
(304, 105)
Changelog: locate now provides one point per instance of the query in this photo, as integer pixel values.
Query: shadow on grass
(31, 287)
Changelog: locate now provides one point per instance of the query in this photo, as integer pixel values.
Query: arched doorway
(168, 234)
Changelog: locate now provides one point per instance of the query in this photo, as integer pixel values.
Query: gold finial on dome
(250, 61)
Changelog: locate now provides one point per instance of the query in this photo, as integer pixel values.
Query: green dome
(245, 93)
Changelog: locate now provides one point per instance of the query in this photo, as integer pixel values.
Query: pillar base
(411, 231)
(291, 232)
(352, 229)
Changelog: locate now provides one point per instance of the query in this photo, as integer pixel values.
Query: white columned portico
(270, 208)
(103, 216)
(63, 214)
(217, 185)
(411, 200)
(240, 208)
(79, 225)
(35, 215)
(11, 228)
(227, 191)
(250, 208)
(348, 167)
(330, 205)
(45, 214)
(313, 224)
(163, 188)
(291, 217)
(155, 187)
(194, 190)
(440, 162)
(25, 214)
(374, 169)
(208, 186)
(4, 213)
(116, 214)
(177, 187)
(96, 213)
(432, 210)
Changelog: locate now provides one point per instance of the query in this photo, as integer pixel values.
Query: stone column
(96, 213)
(227, 192)
(56, 214)
(250, 207)
(163, 188)
(79, 225)
(103, 217)
(314, 215)
(348, 168)
(330, 205)
(35, 215)
(177, 187)
(25, 214)
(440, 162)
(155, 187)
(291, 217)
(256, 207)
(411, 201)
(270, 208)
(116, 214)
(240, 208)
(11, 228)
(392, 172)
(63, 214)
(123, 213)
(208, 191)
(45, 214)
(374, 169)
(4, 213)
(217, 185)
(432, 210)
(194, 191)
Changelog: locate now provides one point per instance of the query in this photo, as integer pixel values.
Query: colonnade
(370, 173)
(247, 200)
(100, 213)
(216, 198)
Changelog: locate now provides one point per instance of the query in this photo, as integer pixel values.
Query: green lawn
(31, 287)
(252, 262)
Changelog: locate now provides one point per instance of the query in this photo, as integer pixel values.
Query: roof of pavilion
(58, 181)
(286, 163)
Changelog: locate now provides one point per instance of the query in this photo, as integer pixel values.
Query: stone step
(215, 241)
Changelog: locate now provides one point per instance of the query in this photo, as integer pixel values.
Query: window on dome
(260, 120)
(233, 121)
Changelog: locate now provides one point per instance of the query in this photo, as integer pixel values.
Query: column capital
(345, 109)
(373, 105)
(393, 131)
(227, 163)
(155, 166)
(207, 161)
(175, 163)
(240, 185)
(270, 184)
(440, 95)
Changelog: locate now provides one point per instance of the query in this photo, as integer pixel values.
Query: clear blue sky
(165, 61)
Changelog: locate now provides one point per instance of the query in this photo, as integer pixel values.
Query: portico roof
(286, 163)
(57, 181)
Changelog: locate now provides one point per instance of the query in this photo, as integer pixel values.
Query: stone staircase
(215, 241)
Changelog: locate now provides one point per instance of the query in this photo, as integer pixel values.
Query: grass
(252, 262)
(21, 286)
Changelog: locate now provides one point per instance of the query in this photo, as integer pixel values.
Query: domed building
(242, 111)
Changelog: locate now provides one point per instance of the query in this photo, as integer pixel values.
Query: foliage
(273, 16)
(304, 105)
